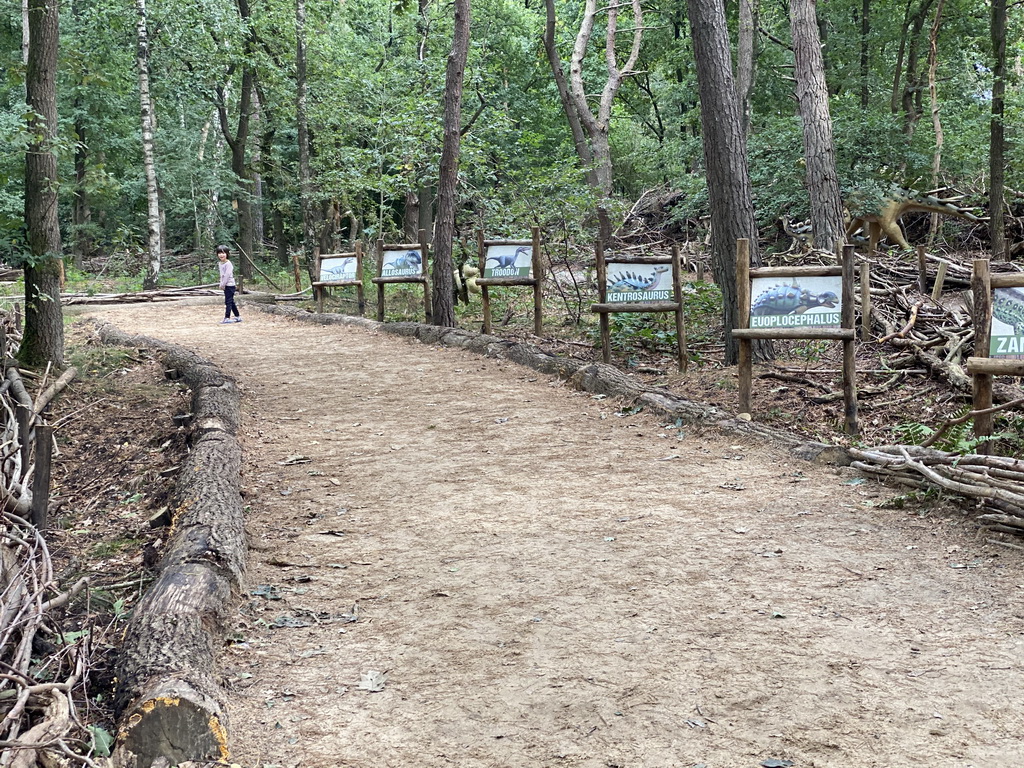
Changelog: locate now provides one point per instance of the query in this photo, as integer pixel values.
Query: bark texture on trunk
(997, 140)
(443, 294)
(746, 60)
(43, 339)
(305, 177)
(169, 702)
(819, 147)
(725, 156)
(153, 224)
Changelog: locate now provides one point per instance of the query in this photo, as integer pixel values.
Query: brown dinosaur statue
(885, 219)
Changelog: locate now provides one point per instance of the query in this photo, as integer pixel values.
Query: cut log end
(176, 727)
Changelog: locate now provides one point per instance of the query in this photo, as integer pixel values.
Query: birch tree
(153, 224)
(595, 125)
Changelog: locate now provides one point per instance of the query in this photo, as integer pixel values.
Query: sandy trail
(546, 582)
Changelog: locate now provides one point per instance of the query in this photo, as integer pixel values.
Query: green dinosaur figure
(884, 217)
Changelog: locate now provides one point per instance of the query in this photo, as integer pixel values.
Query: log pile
(996, 483)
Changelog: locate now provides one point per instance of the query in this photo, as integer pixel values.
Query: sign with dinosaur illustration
(638, 283)
(798, 302)
(401, 263)
(335, 269)
(508, 261)
(1007, 337)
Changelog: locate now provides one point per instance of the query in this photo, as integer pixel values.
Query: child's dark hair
(223, 249)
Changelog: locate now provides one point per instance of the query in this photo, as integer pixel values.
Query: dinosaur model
(884, 218)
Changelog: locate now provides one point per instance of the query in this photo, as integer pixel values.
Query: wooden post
(41, 476)
(922, 270)
(428, 309)
(940, 278)
(981, 289)
(849, 350)
(297, 270)
(380, 286)
(865, 301)
(360, 293)
(17, 316)
(485, 296)
(744, 362)
(23, 416)
(602, 296)
(538, 286)
(677, 286)
(700, 271)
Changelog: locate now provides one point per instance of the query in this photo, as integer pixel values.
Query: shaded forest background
(222, 78)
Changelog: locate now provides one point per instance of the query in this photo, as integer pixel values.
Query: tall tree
(725, 157)
(997, 134)
(239, 141)
(443, 296)
(819, 146)
(43, 339)
(153, 223)
(746, 59)
(596, 125)
(309, 233)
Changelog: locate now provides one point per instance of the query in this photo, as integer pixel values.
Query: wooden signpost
(403, 263)
(998, 337)
(636, 284)
(796, 303)
(511, 262)
(337, 270)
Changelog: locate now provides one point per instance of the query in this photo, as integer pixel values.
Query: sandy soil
(543, 581)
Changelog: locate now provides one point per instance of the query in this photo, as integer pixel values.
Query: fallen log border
(169, 704)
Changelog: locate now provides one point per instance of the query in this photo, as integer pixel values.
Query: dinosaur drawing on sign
(1008, 307)
(791, 300)
(410, 260)
(508, 260)
(627, 281)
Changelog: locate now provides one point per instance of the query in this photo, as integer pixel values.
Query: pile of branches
(39, 724)
(939, 334)
(995, 482)
(39, 666)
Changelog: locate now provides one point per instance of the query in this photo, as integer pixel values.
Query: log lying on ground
(169, 703)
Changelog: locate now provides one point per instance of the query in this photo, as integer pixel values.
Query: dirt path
(549, 583)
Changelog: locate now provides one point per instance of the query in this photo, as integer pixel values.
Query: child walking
(227, 282)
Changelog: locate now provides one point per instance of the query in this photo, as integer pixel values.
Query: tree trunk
(43, 339)
(725, 157)
(596, 126)
(933, 93)
(912, 86)
(579, 138)
(239, 146)
(148, 150)
(819, 148)
(81, 213)
(997, 142)
(443, 296)
(305, 177)
(746, 60)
